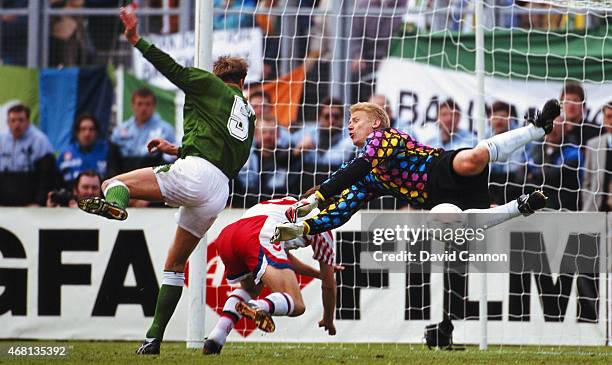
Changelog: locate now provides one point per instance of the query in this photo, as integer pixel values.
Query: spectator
(128, 150)
(68, 46)
(266, 21)
(505, 178)
(239, 14)
(555, 167)
(454, 15)
(579, 130)
(370, 39)
(381, 100)
(539, 15)
(504, 17)
(87, 184)
(131, 137)
(324, 146)
(27, 164)
(266, 173)
(87, 152)
(14, 34)
(261, 103)
(262, 106)
(596, 187)
(448, 134)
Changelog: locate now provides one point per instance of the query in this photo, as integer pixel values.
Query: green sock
(117, 193)
(167, 300)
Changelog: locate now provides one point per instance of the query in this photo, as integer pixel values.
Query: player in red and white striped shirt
(253, 260)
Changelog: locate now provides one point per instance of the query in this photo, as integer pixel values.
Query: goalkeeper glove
(288, 231)
(302, 208)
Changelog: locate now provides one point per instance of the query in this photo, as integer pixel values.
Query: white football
(447, 215)
(445, 208)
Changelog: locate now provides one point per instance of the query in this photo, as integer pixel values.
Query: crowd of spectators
(572, 163)
(33, 174)
(76, 40)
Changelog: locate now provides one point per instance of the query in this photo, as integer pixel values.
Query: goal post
(480, 132)
(197, 269)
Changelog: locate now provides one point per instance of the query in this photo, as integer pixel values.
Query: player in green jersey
(218, 125)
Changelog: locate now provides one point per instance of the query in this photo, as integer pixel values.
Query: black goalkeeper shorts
(445, 186)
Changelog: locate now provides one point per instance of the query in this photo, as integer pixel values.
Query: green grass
(116, 353)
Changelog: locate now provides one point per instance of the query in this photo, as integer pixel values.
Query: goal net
(313, 59)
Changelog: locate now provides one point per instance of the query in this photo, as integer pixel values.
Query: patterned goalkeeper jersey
(400, 167)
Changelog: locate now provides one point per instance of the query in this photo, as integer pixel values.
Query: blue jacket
(132, 139)
(73, 160)
(20, 155)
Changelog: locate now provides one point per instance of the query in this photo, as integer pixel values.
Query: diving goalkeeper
(391, 162)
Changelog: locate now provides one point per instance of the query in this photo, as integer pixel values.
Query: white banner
(68, 275)
(413, 88)
(246, 43)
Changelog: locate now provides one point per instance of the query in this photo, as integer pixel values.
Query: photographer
(86, 185)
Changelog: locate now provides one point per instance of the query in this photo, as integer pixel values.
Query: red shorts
(245, 251)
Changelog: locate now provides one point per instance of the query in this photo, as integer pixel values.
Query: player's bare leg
(500, 147)
(285, 300)
(230, 315)
(137, 184)
(171, 289)
(183, 245)
(471, 162)
(285, 281)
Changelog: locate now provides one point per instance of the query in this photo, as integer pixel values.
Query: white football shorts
(198, 188)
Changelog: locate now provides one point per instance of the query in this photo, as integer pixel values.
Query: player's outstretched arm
(130, 23)
(347, 175)
(377, 148)
(301, 268)
(163, 146)
(333, 216)
(183, 77)
(328, 296)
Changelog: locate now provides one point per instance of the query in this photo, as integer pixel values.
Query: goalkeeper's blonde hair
(373, 111)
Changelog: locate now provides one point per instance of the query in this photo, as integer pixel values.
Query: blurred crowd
(77, 40)
(33, 174)
(572, 164)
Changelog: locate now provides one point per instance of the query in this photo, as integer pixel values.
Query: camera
(61, 197)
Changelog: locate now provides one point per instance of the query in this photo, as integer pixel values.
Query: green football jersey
(217, 120)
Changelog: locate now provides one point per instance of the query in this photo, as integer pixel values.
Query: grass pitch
(116, 353)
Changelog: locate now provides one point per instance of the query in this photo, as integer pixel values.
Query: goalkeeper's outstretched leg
(499, 148)
(524, 205)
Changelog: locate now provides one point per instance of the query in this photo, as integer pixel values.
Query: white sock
(277, 304)
(173, 278)
(496, 215)
(229, 317)
(502, 145)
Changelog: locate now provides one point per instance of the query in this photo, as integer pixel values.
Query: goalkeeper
(218, 124)
(391, 162)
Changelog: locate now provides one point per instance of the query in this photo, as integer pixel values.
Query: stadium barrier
(67, 275)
